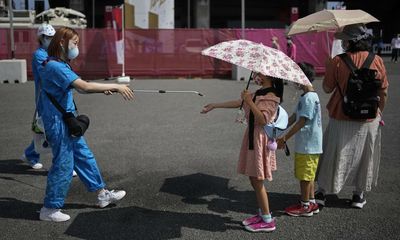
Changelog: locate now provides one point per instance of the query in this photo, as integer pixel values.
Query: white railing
(387, 48)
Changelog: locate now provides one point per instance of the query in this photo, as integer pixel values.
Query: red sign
(294, 14)
(108, 17)
(117, 21)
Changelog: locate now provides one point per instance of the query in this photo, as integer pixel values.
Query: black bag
(77, 125)
(361, 99)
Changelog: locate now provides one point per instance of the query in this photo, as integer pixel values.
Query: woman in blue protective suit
(44, 33)
(59, 80)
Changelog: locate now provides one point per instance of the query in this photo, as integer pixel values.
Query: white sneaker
(53, 215)
(37, 166)
(34, 166)
(74, 174)
(106, 197)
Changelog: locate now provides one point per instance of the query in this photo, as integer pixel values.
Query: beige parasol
(326, 20)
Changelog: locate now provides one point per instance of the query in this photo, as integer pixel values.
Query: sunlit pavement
(179, 170)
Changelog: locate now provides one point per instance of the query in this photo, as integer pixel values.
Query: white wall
(163, 8)
(20, 5)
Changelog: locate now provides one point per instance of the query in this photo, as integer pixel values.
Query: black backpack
(361, 99)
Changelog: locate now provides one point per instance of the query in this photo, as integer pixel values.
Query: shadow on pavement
(17, 209)
(142, 223)
(214, 191)
(333, 201)
(17, 166)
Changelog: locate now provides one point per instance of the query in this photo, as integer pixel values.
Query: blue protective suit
(68, 153)
(39, 56)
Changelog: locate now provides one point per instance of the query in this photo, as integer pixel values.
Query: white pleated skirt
(351, 155)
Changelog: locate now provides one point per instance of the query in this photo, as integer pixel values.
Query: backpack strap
(370, 58)
(35, 114)
(287, 151)
(347, 60)
(55, 103)
(259, 92)
(52, 99)
(48, 59)
(277, 114)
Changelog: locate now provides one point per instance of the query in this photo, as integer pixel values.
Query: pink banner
(312, 48)
(156, 53)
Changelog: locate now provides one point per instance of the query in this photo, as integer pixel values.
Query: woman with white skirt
(351, 147)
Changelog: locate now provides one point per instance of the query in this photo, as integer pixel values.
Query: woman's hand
(125, 91)
(207, 108)
(108, 92)
(246, 96)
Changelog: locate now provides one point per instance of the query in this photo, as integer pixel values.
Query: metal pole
(166, 91)
(11, 16)
(243, 18)
(327, 41)
(188, 14)
(93, 14)
(123, 39)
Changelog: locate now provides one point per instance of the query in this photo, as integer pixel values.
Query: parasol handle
(247, 87)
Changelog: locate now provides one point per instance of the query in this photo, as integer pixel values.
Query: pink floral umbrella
(258, 58)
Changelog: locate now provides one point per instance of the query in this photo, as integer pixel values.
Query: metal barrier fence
(163, 53)
(387, 48)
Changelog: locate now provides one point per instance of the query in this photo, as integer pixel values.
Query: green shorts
(305, 166)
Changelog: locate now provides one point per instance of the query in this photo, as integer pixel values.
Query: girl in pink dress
(256, 161)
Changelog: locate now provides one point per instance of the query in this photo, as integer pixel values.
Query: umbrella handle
(247, 87)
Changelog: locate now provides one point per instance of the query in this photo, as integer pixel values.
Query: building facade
(220, 13)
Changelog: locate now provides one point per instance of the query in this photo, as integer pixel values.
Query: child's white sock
(267, 218)
(312, 200)
(305, 204)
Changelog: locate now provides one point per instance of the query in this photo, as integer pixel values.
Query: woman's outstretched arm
(93, 87)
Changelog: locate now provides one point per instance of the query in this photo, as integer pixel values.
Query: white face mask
(73, 51)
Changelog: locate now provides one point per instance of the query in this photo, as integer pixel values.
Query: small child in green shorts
(308, 144)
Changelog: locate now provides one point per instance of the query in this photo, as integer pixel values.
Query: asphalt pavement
(179, 170)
